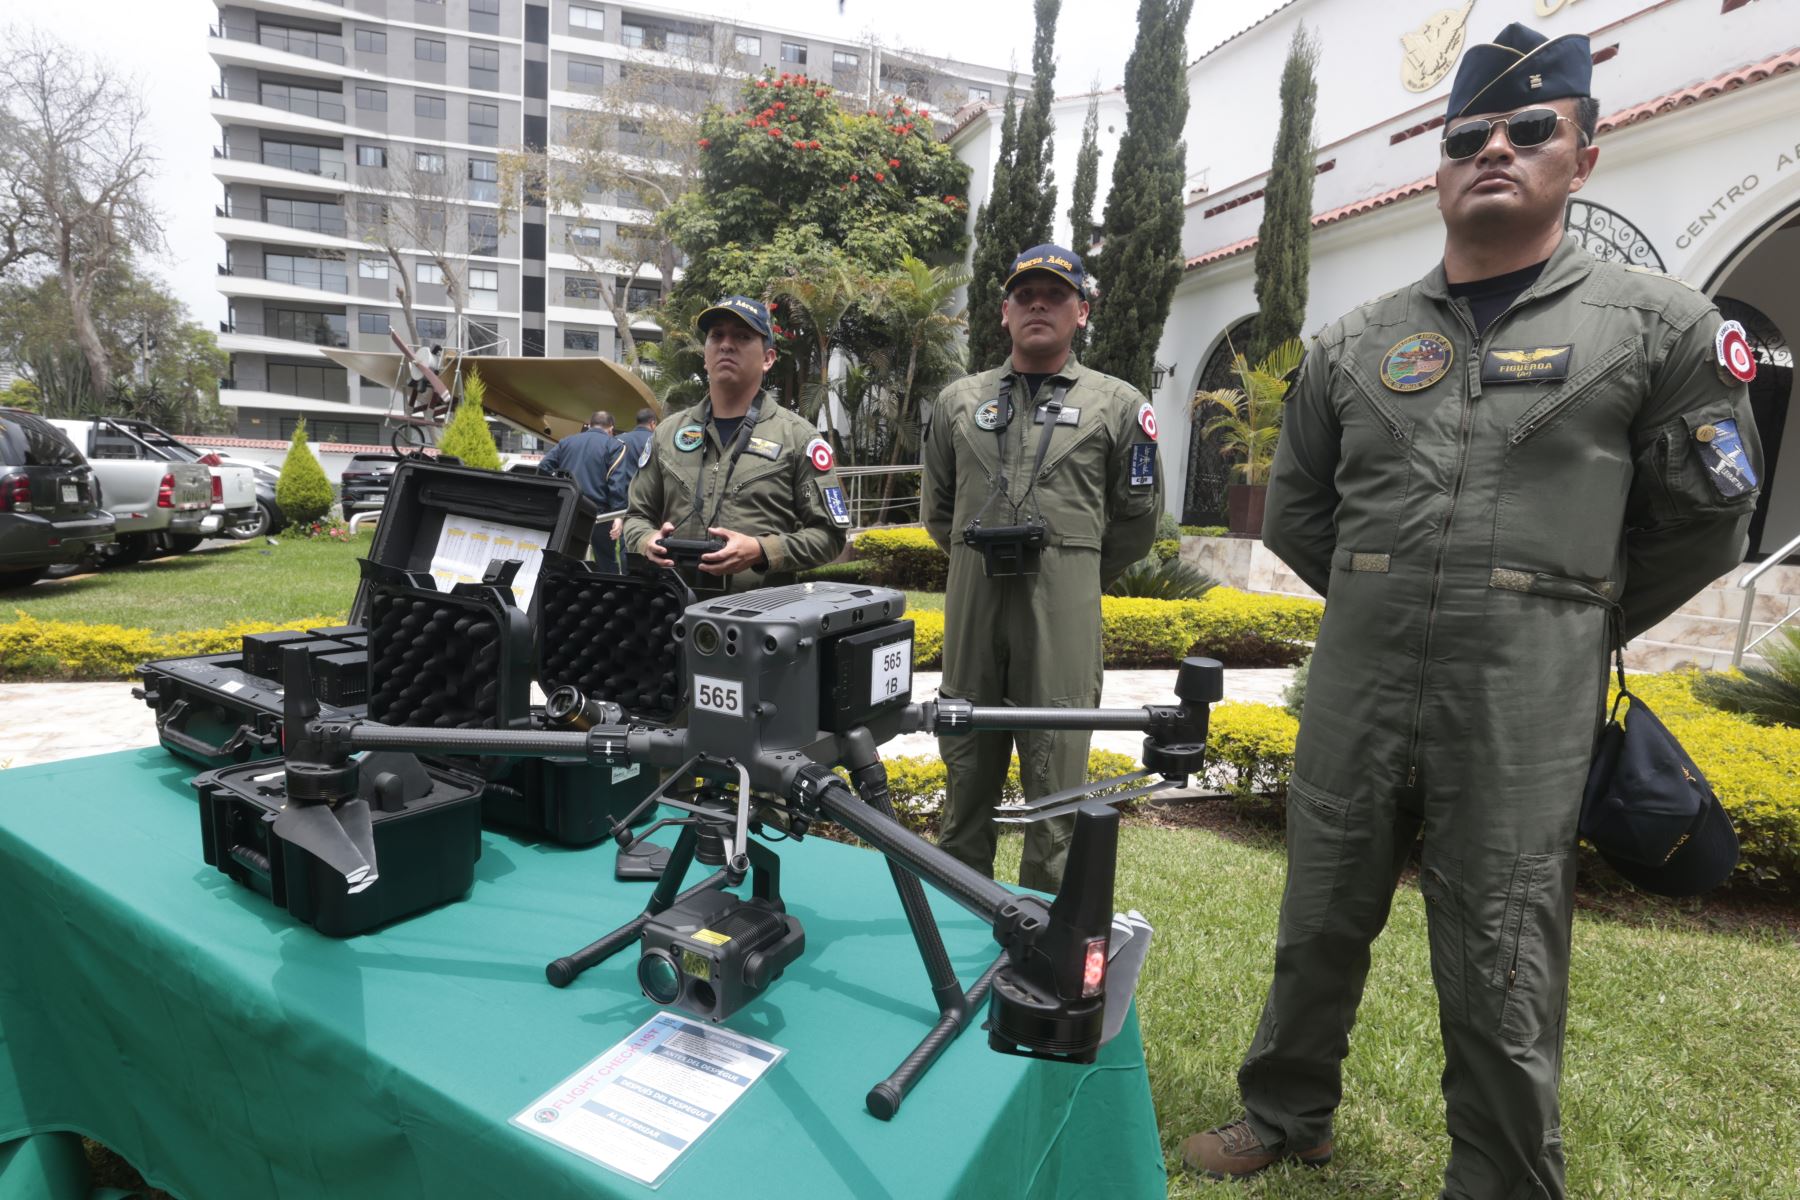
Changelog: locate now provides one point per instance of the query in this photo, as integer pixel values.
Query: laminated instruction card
(639, 1106)
(466, 545)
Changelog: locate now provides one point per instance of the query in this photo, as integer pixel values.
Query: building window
(484, 289)
(303, 214)
(314, 383)
(484, 68)
(484, 233)
(319, 329)
(371, 322)
(297, 156)
(431, 108)
(371, 41)
(793, 53)
(305, 271)
(429, 162)
(484, 16)
(581, 287)
(584, 20)
(428, 50)
(747, 43)
(581, 339)
(433, 329)
(429, 273)
(371, 214)
(976, 93)
(585, 77)
(371, 268)
(843, 60)
(484, 124)
(484, 176)
(371, 99)
(585, 235)
(483, 339)
(371, 156)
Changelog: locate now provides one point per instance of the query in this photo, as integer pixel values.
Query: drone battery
(610, 636)
(339, 633)
(262, 651)
(342, 678)
(212, 712)
(427, 829)
(569, 801)
(865, 674)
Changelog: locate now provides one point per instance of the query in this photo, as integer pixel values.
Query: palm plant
(1154, 578)
(824, 291)
(1771, 696)
(1248, 417)
(917, 300)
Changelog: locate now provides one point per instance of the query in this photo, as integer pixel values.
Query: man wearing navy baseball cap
(1487, 474)
(1042, 483)
(737, 492)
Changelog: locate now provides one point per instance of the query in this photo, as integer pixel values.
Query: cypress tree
(1141, 263)
(1284, 242)
(1087, 183)
(302, 490)
(1021, 204)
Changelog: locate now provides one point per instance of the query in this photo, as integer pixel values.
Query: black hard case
(425, 847)
(446, 660)
(422, 494)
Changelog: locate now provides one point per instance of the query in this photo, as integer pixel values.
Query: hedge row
(1237, 628)
(904, 558)
(34, 649)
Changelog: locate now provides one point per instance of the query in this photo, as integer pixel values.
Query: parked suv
(365, 482)
(49, 503)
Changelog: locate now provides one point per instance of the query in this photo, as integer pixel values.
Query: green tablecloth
(230, 1052)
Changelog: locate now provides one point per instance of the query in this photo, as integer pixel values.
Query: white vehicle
(235, 509)
(158, 506)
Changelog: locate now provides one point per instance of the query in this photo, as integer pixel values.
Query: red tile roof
(1730, 81)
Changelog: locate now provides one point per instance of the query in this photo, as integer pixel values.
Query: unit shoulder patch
(835, 504)
(1721, 450)
(818, 451)
(1416, 362)
(1146, 419)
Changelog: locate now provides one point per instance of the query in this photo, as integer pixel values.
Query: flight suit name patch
(1722, 453)
(1416, 362)
(1143, 464)
(1536, 364)
(765, 448)
(1067, 416)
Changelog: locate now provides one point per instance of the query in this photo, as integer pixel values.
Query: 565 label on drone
(719, 695)
(890, 671)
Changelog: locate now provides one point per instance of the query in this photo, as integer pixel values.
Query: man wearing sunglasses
(1481, 472)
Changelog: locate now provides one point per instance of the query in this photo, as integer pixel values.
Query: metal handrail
(1748, 583)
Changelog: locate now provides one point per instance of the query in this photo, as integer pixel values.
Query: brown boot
(1235, 1152)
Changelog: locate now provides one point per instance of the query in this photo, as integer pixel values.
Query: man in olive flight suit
(738, 468)
(1041, 440)
(1478, 471)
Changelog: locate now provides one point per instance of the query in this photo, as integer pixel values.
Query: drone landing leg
(954, 1007)
(564, 971)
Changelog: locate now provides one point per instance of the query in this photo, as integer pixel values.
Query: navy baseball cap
(1519, 68)
(1053, 260)
(753, 313)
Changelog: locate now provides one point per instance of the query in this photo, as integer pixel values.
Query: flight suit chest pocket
(1375, 467)
(1066, 443)
(1567, 470)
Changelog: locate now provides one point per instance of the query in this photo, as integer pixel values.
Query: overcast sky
(162, 43)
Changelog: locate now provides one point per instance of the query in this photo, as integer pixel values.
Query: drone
(787, 684)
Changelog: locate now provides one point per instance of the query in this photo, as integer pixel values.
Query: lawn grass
(924, 602)
(205, 589)
(1680, 1073)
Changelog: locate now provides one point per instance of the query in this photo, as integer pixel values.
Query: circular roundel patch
(689, 437)
(819, 451)
(1417, 362)
(988, 415)
(1733, 348)
(1147, 420)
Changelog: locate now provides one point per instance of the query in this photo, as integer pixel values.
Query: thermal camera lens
(659, 976)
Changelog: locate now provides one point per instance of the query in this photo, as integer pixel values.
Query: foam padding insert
(434, 661)
(613, 637)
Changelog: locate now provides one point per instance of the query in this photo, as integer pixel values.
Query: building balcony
(255, 337)
(265, 110)
(306, 222)
(269, 165)
(303, 42)
(252, 281)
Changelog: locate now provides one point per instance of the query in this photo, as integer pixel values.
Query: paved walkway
(41, 722)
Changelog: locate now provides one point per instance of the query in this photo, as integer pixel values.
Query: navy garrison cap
(1520, 68)
(753, 313)
(1053, 260)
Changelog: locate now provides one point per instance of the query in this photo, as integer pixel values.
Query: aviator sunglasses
(1532, 127)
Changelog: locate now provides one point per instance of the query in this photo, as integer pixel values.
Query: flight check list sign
(640, 1105)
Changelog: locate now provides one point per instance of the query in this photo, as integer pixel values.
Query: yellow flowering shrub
(916, 784)
(1250, 748)
(34, 649)
(903, 558)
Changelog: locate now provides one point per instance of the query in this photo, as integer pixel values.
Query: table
(231, 1052)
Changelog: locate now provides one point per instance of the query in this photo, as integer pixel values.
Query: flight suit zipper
(1472, 394)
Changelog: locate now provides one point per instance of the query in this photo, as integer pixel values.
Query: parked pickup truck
(234, 488)
(159, 506)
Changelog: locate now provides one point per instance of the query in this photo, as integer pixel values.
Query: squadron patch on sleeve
(1722, 453)
(1147, 420)
(1732, 347)
(644, 458)
(835, 504)
(819, 451)
(1143, 464)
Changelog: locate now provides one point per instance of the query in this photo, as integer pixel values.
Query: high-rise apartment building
(359, 163)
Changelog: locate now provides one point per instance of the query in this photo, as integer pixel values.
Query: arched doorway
(1608, 236)
(1208, 471)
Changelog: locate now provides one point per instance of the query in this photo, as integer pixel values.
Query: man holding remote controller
(737, 492)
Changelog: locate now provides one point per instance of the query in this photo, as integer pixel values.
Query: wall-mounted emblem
(1428, 52)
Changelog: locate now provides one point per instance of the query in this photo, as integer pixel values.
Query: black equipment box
(435, 513)
(611, 636)
(216, 709)
(569, 801)
(446, 660)
(427, 828)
